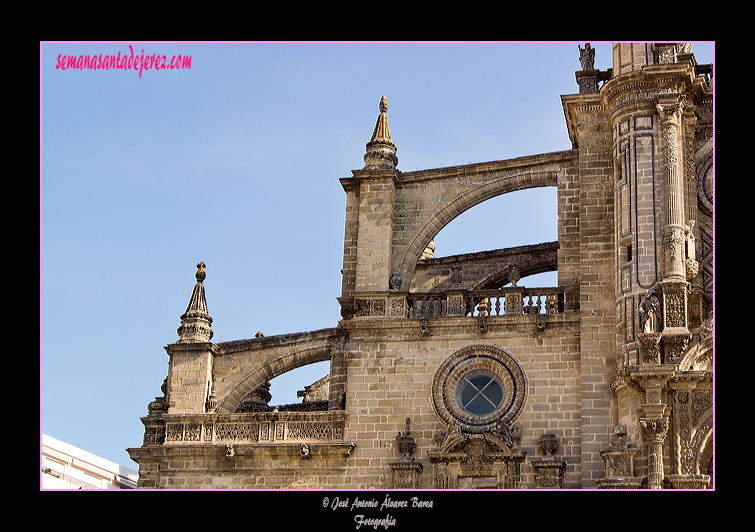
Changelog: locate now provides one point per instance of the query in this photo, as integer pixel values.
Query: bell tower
(657, 100)
(653, 96)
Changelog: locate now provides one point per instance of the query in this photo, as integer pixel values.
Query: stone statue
(514, 275)
(650, 310)
(587, 57)
(502, 429)
(690, 236)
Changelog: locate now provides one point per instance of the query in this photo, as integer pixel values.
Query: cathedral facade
(451, 373)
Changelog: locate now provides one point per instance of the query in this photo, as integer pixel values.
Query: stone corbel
(650, 344)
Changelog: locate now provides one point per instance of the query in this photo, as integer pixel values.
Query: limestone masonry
(448, 372)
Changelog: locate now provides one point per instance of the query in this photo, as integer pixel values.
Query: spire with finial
(381, 151)
(195, 322)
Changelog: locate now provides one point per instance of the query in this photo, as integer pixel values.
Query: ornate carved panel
(484, 460)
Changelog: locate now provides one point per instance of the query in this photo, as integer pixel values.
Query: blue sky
(236, 162)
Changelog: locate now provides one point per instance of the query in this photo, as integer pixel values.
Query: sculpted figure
(690, 236)
(650, 310)
(587, 57)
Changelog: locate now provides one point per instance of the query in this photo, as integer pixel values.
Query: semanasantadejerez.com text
(125, 61)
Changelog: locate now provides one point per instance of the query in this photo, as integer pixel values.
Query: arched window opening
(522, 218)
(304, 388)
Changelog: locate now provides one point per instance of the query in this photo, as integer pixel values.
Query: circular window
(477, 387)
(479, 392)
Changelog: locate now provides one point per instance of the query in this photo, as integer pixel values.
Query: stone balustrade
(261, 427)
(461, 303)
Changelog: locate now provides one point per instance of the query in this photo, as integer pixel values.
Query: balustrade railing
(249, 428)
(504, 301)
(514, 300)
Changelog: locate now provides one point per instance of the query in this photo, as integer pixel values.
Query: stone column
(655, 423)
(654, 415)
(654, 432)
(674, 283)
(673, 229)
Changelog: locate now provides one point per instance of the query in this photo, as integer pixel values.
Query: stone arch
(705, 456)
(702, 443)
(501, 277)
(273, 367)
(460, 204)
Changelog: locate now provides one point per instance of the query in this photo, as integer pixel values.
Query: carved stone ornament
(196, 322)
(587, 57)
(619, 461)
(395, 282)
(212, 400)
(514, 275)
(305, 451)
(381, 150)
(549, 471)
(406, 474)
(479, 387)
(476, 461)
(692, 268)
(674, 347)
(548, 443)
(160, 404)
(406, 443)
(650, 347)
(654, 430)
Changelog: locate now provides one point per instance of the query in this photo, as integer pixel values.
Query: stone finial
(195, 322)
(406, 443)
(381, 151)
(200, 275)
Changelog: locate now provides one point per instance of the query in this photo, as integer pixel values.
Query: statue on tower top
(587, 57)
